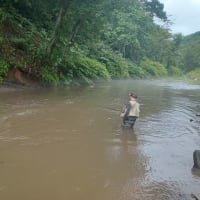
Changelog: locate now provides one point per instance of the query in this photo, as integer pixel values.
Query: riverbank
(12, 83)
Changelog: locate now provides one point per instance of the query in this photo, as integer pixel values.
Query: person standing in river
(131, 112)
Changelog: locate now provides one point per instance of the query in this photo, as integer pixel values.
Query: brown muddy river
(67, 144)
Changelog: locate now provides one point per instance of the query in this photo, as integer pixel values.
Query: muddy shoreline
(8, 86)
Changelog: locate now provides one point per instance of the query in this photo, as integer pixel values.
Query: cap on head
(131, 94)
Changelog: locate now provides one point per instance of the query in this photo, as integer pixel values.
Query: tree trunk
(75, 31)
(73, 35)
(61, 15)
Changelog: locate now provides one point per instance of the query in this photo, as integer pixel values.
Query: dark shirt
(128, 108)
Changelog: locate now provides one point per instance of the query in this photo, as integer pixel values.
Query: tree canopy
(65, 40)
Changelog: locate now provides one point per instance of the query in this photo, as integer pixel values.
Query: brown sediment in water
(61, 143)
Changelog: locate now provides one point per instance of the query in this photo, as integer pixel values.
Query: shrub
(84, 69)
(116, 65)
(174, 71)
(194, 74)
(153, 68)
(135, 71)
(3, 69)
(118, 68)
(49, 75)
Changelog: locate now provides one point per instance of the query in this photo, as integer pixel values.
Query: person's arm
(128, 108)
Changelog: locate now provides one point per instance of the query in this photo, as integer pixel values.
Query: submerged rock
(198, 114)
(196, 196)
(196, 158)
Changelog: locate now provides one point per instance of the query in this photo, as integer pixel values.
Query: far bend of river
(66, 144)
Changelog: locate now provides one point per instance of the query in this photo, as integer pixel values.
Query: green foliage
(156, 9)
(18, 39)
(189, 49)
(190, 40)
(116, 65)
(49, 75)
(85, 69)
(152, 68)
(194, 74)
(3, 69)
(128, 28)
(174, 71)
(135, 71)
(191, 58)
(88, 40)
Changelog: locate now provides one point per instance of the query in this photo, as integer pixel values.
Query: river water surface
(67, 144)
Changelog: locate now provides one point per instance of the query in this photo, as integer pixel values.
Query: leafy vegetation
(194, 74)
(86, 69)
(175, 71)
(152, 68)
(64, 41)
(3, 69)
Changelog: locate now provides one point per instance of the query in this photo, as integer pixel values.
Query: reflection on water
(66, 143)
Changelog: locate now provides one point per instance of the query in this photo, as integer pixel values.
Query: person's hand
(122, 114)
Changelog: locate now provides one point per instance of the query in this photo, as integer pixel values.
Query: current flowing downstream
(63, 143)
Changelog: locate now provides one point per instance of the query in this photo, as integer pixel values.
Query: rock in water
(196, 196)
(196, 158)
(198, 114)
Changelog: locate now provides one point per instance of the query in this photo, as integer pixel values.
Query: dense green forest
(65, 41)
